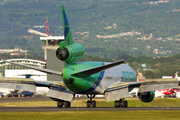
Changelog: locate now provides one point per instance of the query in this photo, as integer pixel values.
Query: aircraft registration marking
(128, 76)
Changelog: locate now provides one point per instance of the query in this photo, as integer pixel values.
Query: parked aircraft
(114, 80)
(163, 92)
(175, 76)
(41, 91)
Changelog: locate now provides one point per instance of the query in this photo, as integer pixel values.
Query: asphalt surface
(51, 109)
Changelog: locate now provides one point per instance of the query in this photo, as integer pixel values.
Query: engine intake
(146, 96)
(62, 54)
(70, 52)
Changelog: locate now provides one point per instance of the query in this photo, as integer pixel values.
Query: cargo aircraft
(113, 80)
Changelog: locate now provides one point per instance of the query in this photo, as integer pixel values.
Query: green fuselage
(80, 84)
(101, 80)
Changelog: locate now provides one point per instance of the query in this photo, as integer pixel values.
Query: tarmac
(53, 109)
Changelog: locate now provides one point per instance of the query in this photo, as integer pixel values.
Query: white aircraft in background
(42, 91)
(175, 76)
(36, 75)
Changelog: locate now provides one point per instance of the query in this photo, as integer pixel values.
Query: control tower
(50, 45)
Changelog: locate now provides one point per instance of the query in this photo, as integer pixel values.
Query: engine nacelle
(70, 52)
(146, 96)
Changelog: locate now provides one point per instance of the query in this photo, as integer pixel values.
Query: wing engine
(146, 96)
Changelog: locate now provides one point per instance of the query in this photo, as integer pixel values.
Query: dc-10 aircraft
(114, 80)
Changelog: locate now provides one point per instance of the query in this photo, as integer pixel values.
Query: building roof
(52, 38)
(30, 61)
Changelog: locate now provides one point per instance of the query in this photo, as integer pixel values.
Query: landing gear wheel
(116, 104)
(94, 103)
(124, 104)
(60, 103)
(88, 103)
(67, 104)
(121, 103)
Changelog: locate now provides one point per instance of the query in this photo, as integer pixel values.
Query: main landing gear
(61, 103)
(120, 103)
(91, 102)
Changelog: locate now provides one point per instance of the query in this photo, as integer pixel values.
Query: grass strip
(91, 115)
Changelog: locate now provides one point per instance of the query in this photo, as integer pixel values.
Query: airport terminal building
(11, 70)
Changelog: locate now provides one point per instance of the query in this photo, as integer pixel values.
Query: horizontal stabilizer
(36, 68)
(98, 69)
(49, 84)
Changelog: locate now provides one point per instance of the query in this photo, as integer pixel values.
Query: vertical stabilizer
(66, 27)
(28, 75)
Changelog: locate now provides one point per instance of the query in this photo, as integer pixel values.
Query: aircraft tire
(116, 104)
(93, 103)
(67, 104)
(88, 103)
(124, 104)
(60, 103)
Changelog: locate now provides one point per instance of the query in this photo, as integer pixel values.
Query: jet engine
(70, 52)
(146, 96)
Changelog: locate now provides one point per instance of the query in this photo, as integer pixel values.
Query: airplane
(163, 92)
(114, 80)
(175, 76)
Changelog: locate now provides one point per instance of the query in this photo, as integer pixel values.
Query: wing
(25, 84)
(95, 70)
(36, 68)
(122, 90)
(57, 90)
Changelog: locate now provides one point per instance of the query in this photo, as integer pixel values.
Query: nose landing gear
(91, 102)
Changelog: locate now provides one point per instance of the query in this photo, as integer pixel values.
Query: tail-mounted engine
(146, 96)
(71, 52)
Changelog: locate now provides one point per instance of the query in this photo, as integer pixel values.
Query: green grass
(92, 115)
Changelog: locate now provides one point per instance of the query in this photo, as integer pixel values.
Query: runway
(55, 109)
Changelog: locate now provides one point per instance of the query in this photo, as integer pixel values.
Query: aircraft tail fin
(66, 28)
(98, 69)
(28, 75)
